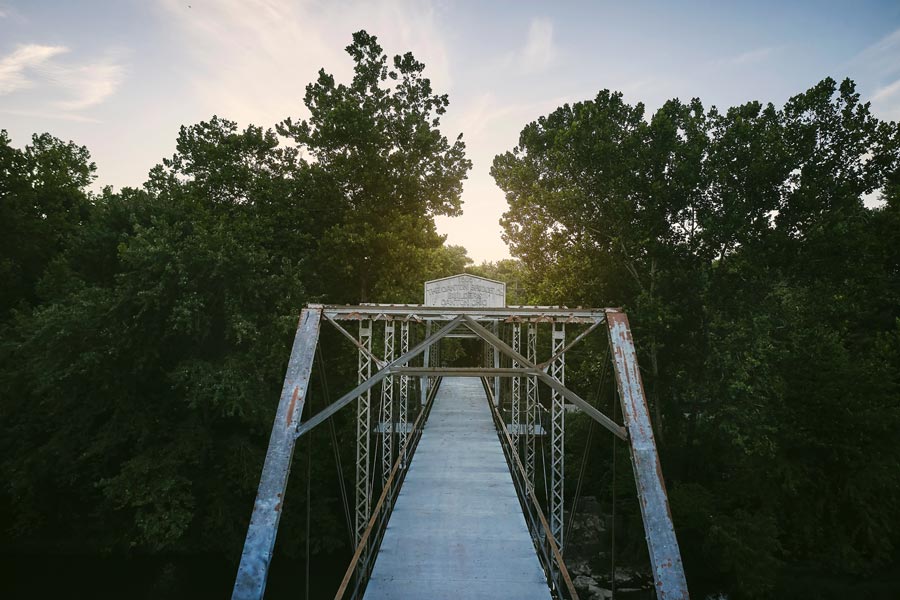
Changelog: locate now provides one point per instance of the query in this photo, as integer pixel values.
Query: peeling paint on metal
(665, 556)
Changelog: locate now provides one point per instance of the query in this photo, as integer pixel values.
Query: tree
(763, 295)
(393, 170)
(140, 373)
(43, 199)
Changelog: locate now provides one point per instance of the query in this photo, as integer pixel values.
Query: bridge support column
(260, 542)
(425, 382)
(531, 402)
(558, 436)
(516, 386)
(404, 392)
(363, 423)
(496, 328)
(387, 407)
(665, 556)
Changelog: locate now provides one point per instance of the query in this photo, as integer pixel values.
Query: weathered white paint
(468, 291)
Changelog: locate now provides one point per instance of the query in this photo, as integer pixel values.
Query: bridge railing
(356, 577)
(557, 574)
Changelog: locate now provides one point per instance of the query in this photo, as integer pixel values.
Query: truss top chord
(419, 312)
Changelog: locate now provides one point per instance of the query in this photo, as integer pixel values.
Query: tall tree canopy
(765, 298)
(379, 143)
(145, 333)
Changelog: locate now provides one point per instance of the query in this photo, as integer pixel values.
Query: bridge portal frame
(668, 571)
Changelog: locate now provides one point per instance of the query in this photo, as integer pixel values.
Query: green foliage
(378, 141)
(43, 200)
(510, 272)
(764, 298)
(144, 333)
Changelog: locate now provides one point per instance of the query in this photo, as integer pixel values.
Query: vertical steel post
(387, 407)
(425, 382)
(558, 437)
(516, 386)
(531, 404)
(496, 366)
(260, 542)
(404, 392)
(665, 557)
(363, 409)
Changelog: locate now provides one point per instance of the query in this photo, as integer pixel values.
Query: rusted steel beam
(571, 396)
(260, 542)
(665, 557)
(344, 400)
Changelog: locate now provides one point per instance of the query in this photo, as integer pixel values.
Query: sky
(121, 76)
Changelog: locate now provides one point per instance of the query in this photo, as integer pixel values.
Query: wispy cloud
(87, 85)
(884, 55)
(879, 65)
(886, 92)
(66, 86)
(15, 67)
(539, 50)
(750, 57)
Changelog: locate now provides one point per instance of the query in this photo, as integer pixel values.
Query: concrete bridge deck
(457, 530)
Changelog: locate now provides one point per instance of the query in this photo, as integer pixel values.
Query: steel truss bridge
(457, 515)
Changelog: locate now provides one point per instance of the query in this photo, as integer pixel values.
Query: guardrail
(555, 570)
(360, 568)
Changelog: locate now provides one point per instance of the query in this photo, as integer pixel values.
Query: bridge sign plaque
(469, 291)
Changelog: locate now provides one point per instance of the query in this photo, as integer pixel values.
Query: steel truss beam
(558, 436)
(341, 402)
(387, 407)
(425, 384)
(665, 557)
(257, 554)
(363, 429)
(496, 326)
(404, 394)
(537, 314)
(516, 386)
(569, 395)
(531, 401)
(462, 372)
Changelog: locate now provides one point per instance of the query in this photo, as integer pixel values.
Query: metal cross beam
(344, 400)
(537, 314)
(571, 396)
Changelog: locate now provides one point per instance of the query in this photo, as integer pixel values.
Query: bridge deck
(457, 530)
